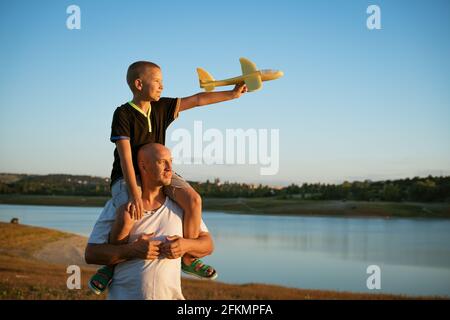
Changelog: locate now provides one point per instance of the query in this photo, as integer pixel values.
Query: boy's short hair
(136, 69)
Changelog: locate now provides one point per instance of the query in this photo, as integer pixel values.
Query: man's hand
(239, 90)
(146, 248)
(174, 248)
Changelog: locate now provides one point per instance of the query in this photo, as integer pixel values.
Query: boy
(144, 120)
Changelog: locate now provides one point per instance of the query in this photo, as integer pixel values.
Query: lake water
(304, 252)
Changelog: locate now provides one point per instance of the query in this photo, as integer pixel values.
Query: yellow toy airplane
(252, 77)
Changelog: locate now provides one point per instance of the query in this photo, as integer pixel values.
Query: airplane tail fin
(253, 81)
(206, 80)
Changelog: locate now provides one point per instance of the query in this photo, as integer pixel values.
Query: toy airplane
(252, 77)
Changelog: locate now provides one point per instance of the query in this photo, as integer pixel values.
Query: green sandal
(101, 280)
(199, 272)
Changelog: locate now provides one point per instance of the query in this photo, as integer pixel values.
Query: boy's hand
(239, 90)
(136, 208)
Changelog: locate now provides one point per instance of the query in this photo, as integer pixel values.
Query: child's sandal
(199, 272)
(101, 280)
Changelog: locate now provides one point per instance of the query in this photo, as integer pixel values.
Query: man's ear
(141, 165)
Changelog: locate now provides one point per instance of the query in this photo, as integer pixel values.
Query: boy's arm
(205, 98)
(126, 162)
(178, 246)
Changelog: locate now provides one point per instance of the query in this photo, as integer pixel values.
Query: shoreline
(269, 206)
(35, 268)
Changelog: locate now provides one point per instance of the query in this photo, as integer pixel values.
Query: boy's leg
(191, 202)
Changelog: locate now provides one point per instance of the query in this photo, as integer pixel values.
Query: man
(148, 250)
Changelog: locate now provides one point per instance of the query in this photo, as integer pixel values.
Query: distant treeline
(54, 184)
(416, 189)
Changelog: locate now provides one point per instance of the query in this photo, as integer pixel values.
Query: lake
(305, 252)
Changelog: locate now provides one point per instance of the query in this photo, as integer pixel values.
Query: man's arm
(205, 98)
(108, 254)
(178, 246)
(126, 162)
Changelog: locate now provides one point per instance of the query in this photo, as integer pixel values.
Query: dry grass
(200, 290)
(24, 240)
(22, 276)
(25, 278)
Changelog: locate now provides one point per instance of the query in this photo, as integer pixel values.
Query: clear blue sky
(353, 104)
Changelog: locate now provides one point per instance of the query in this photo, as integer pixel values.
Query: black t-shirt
(132, 124)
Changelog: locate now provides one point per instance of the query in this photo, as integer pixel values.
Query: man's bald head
(155, 163)
(151, 152)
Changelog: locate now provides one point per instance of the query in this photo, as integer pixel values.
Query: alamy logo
(374, 280)
(237, 146)
(74, 20)
(74, 280)
(374, 20)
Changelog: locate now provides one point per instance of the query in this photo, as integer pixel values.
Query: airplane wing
(247, 66)
(254, 81)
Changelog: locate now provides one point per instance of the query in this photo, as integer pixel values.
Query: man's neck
(153, 197)
(144, 105)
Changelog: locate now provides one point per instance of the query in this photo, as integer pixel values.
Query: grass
(272, 206)
(22, 276)
(17, 240)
